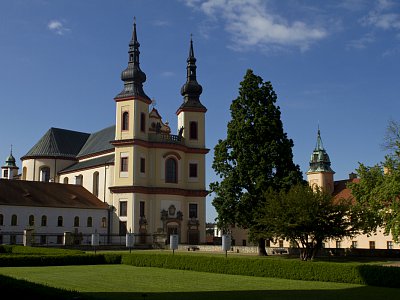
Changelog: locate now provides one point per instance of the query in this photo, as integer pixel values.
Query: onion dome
(133, 77)
(191, 90)
(320, 161)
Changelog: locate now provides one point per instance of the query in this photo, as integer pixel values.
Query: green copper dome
(10, 161)
(320, 161)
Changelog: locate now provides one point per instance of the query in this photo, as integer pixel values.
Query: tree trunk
(261, 247)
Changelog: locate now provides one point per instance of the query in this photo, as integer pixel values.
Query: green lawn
(128, 282)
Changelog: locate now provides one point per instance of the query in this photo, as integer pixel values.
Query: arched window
(31, 220)
(171, 170)
(65, 180)
(193, 130)
(104, 222)
(14, 220)
(96, 184)
(24, 173)
(89, 222)
(60, 221)
(45, 174)
(44, 221)
(1, 220)
(79, 180)
(125, 120)
(76, 222)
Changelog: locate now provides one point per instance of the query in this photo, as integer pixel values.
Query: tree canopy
(255, 156)
(306, 218)
(378, 190)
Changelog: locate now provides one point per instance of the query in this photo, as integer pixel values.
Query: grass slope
(128, 282)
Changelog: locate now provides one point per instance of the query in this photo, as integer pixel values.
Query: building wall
(52, 213)
(106, 178)
(33, 167)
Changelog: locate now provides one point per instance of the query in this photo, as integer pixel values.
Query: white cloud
(250, 24)
(167, 74)
(161, 23)
(57, 27)
(382, 16)
(362, 42)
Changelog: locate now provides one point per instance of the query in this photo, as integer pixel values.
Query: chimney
(352, 175)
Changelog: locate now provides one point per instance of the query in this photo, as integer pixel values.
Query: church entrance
(173, 228)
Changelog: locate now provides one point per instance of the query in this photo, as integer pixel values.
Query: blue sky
(332, 63)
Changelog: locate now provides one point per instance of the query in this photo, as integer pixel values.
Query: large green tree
(255, 156)
(306, 218)
(377, 193)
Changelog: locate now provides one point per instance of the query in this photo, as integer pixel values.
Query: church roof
(58, 142)
(47, 194)
(98, 142)
(90, 163)
(65, 143)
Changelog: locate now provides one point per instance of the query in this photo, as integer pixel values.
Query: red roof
(47, 194)
(341, 191)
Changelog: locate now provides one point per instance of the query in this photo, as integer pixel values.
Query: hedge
(279, 268)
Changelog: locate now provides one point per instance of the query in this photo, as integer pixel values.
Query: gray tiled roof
(90, 163)
(59, 143)
(47, 194)
(98, 142)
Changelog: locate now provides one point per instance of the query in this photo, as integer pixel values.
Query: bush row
(58, 260)
(269, 267)
(17, 249)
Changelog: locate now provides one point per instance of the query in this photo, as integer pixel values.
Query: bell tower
(9, 170)
(320, 173)
(191, 114)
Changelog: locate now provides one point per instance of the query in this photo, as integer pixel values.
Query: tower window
(5, 174)
(123, 208)
(171, 172)
(141, 208)
(142, 165)
(142, 122)
(125, 120)
(193, 210)
(193, 170)
(193, 130)
(124, 164)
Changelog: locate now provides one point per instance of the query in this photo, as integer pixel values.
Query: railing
(166, 138)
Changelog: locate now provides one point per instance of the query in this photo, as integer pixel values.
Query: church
(146, 179)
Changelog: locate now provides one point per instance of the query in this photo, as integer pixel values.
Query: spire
(10, 161)
(133, 77)
(319, 145)
(191, 90)
(319, 161)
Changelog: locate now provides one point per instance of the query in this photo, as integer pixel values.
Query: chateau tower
(191, 114)
(320, 173)
(9, 170)
(159, 177)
